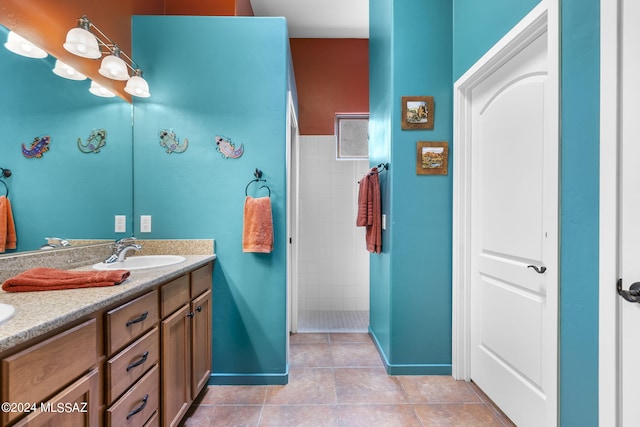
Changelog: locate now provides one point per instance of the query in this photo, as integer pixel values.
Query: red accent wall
(332, 76)
(209, 8)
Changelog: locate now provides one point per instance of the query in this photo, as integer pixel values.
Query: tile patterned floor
(333, 321)
(338, 379)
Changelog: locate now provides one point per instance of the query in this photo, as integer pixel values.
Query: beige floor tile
(338, 379)
(378, 416)
(310, 355)
(300, 416)
(308, 338)
(349, 337)
(437, 389)
(233, 395)
(368, 386)
(457, 414)
(306, 386)
(355, 354)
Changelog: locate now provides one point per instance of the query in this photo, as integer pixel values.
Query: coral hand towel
(370, 210)
(363, 217)
(51, 279)
(8, 238)
(257, 230)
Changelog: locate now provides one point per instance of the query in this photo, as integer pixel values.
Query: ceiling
(319, 18)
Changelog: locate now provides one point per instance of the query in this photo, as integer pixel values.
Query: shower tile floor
(339, 380)
(333, 321)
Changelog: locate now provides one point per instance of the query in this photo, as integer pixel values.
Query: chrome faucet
(120, 249)
(54, 242)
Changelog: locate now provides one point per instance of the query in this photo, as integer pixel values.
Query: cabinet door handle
(142, 317)
(139, 408)
(199, 309)
(139, 362)
(191, 314)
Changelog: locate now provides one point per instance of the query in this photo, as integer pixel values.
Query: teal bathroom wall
(477, 26)
(411, 55)
(226, 76)
(580, 112)
(66, 193)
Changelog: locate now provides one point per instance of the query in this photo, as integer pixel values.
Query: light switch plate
(121, 223)
(384, 222)
(145, 223)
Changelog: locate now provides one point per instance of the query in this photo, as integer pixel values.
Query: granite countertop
(40, 312)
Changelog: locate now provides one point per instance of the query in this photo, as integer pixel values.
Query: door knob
(538, 270)
(633, 294)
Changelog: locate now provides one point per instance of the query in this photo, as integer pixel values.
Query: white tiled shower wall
(333, 261)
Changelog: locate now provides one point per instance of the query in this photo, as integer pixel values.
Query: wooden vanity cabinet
(186, 342)
(132, 383)
(51, 368)
(140, 363)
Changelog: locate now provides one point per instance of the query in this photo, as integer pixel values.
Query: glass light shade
(18, 44)
(82, 43)
(99, 90)
(114, 68)
(67, 71)
(137, 86)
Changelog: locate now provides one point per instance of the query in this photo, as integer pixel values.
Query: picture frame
(432, 158)
(418, 112)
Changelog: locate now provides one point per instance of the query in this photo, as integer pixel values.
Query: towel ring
(6, 187)
(268, 189)
(246, 189)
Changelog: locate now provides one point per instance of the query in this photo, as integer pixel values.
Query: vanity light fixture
(113, 66)
(81, 42)
(137, 86)
(18, 44)
(67, 71)
(86, 40)
(99, 90)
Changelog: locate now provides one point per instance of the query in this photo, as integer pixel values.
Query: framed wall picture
(432, 158)
(417, 112)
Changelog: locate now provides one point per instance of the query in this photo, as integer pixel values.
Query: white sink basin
(6, 311)
(140, 262)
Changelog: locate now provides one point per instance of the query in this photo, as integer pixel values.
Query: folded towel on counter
(51, 279)
(257, 229)
(8, 238)
(370, 210)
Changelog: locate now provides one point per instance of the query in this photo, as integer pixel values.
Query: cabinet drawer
(138, 404)
(36, 373)
(154, 421)
(76, 405)
(174, 294)
(131, 320)
(126, 367)
(201, 280)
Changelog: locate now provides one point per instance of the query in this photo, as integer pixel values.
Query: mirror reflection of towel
(8, 238)
(257, 230)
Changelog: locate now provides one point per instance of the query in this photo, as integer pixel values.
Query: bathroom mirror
(58, 186)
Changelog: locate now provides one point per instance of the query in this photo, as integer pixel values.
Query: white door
(629, 234)
(514, 236)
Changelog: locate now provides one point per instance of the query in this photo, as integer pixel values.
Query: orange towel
(370, 210)
(51, 279)
(8, 238)
(363, 203)
(257, 230)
